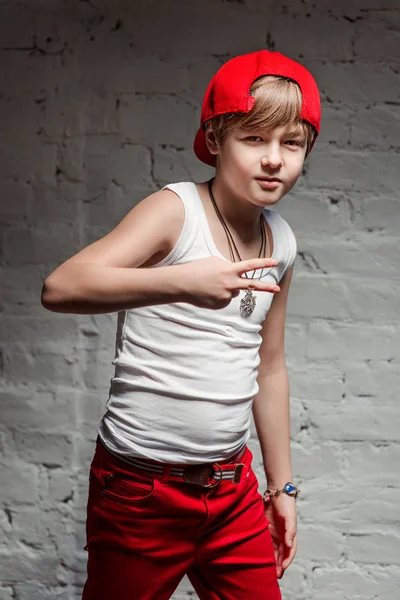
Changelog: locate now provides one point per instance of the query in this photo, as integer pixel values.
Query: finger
(288, 559)
(255, 263)
(279, 569)
(257, 285)
(279, 559)
(289, 536)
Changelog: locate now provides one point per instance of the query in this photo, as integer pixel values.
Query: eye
(253, 138)
(294, 143)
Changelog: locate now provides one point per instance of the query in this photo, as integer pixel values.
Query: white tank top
(185, 377)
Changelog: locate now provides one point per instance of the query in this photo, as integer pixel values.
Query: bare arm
(103, 277)
(113, 273)
(271, 405)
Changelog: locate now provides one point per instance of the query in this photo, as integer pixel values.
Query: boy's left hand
(281, 514)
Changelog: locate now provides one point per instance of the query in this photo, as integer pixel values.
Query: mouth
(269, 183)
(269, 179)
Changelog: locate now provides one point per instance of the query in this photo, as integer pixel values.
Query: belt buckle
(199, 475)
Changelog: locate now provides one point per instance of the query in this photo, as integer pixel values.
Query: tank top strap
(184, 190)
(285, 246)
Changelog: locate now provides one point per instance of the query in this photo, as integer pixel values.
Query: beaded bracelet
(289, 489)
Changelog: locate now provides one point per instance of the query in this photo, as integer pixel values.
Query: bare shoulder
(166, 209)
(143, 237)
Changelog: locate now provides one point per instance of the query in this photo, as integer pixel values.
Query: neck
(238, 213)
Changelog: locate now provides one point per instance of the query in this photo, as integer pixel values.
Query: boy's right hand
(213, 282)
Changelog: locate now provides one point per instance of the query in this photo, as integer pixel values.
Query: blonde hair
(278, 103)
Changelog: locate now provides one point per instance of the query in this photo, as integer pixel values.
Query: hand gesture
(213, 282)
(281, 514)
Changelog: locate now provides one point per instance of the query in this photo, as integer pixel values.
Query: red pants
(144, 534)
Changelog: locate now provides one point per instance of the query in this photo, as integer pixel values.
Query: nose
(272, 158)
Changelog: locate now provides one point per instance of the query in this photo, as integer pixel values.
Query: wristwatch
(289, 489)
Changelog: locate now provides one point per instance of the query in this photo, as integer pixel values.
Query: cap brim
(201, 150)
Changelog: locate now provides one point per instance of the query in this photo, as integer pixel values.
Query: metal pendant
(247, 303)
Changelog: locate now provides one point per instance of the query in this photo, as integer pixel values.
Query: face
(260, 165)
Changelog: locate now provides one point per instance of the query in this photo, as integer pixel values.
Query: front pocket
(128, 490)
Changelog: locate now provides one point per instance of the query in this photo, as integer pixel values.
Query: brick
(376, 127)
(40, 333)
(105, 209)
(144, 119)
(372, 512)
(16, 200)
(352, 341)
(58, 203)
(41, 71)
(325, 296)
(29, 107)
(171, 164)
(355, 83)
(32, 528)
(346, 504)
(368, 41)
(367, 256)
(356, 583)
(31, 409)
(329, 212)
(374, 547)
(351, 169)
(97, 331)
(378, 214)
(297, 416)
(335, 125)
(149, 73)
(372, 301)
(44, 368)
(61, 486)
(51, 449)
(98, 369)
(316, 296)
(36, 591)
(374, 465)
(85, 447)
(194, 24)
(331, 39)
(20, 567)
(90, 408)
(34, 246)
(323, 459)
(20, 34)
(21, 486)
(21, 289)
(295, 339)
(365, 379)
(34, 162)
(320, 542)
(108, 159)
(323, 382)
(357, 419)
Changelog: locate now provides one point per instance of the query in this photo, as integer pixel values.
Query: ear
(211, 142)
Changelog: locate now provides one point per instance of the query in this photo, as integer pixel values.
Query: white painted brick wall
(99, 104)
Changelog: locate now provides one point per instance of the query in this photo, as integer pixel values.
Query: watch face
(290, 489)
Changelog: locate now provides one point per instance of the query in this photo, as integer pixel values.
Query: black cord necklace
(248, 302)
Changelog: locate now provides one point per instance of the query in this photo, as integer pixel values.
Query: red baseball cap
(229, 91)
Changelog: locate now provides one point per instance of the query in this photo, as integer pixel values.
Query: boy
(193, 271)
